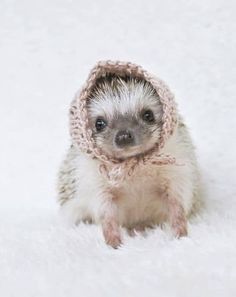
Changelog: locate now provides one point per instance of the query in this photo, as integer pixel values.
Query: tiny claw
(114, 241)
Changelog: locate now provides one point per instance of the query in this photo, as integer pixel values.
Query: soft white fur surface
(46, 51)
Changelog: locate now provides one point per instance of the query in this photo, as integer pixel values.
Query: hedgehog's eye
(100, 124)
(148, 116)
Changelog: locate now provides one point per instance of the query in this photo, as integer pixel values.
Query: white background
(46, 51)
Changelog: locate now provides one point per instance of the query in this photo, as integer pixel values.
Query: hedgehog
(131, 162)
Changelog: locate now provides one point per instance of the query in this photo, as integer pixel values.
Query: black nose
(124, 138)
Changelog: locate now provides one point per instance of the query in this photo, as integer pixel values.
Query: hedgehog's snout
(124, 138)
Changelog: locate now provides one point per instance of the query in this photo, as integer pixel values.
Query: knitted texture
(113, 169)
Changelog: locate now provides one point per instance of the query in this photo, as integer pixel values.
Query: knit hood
(113, 169)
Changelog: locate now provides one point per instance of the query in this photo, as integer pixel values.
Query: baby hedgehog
(132, 161)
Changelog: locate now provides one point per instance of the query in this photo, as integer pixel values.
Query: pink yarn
(115, 170)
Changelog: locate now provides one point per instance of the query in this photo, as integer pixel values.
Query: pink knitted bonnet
(116, 170)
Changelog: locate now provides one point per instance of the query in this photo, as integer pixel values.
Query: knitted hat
(116, 170)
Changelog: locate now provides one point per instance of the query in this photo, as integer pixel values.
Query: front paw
(180, 230)
(114, 240)
(112, 235)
